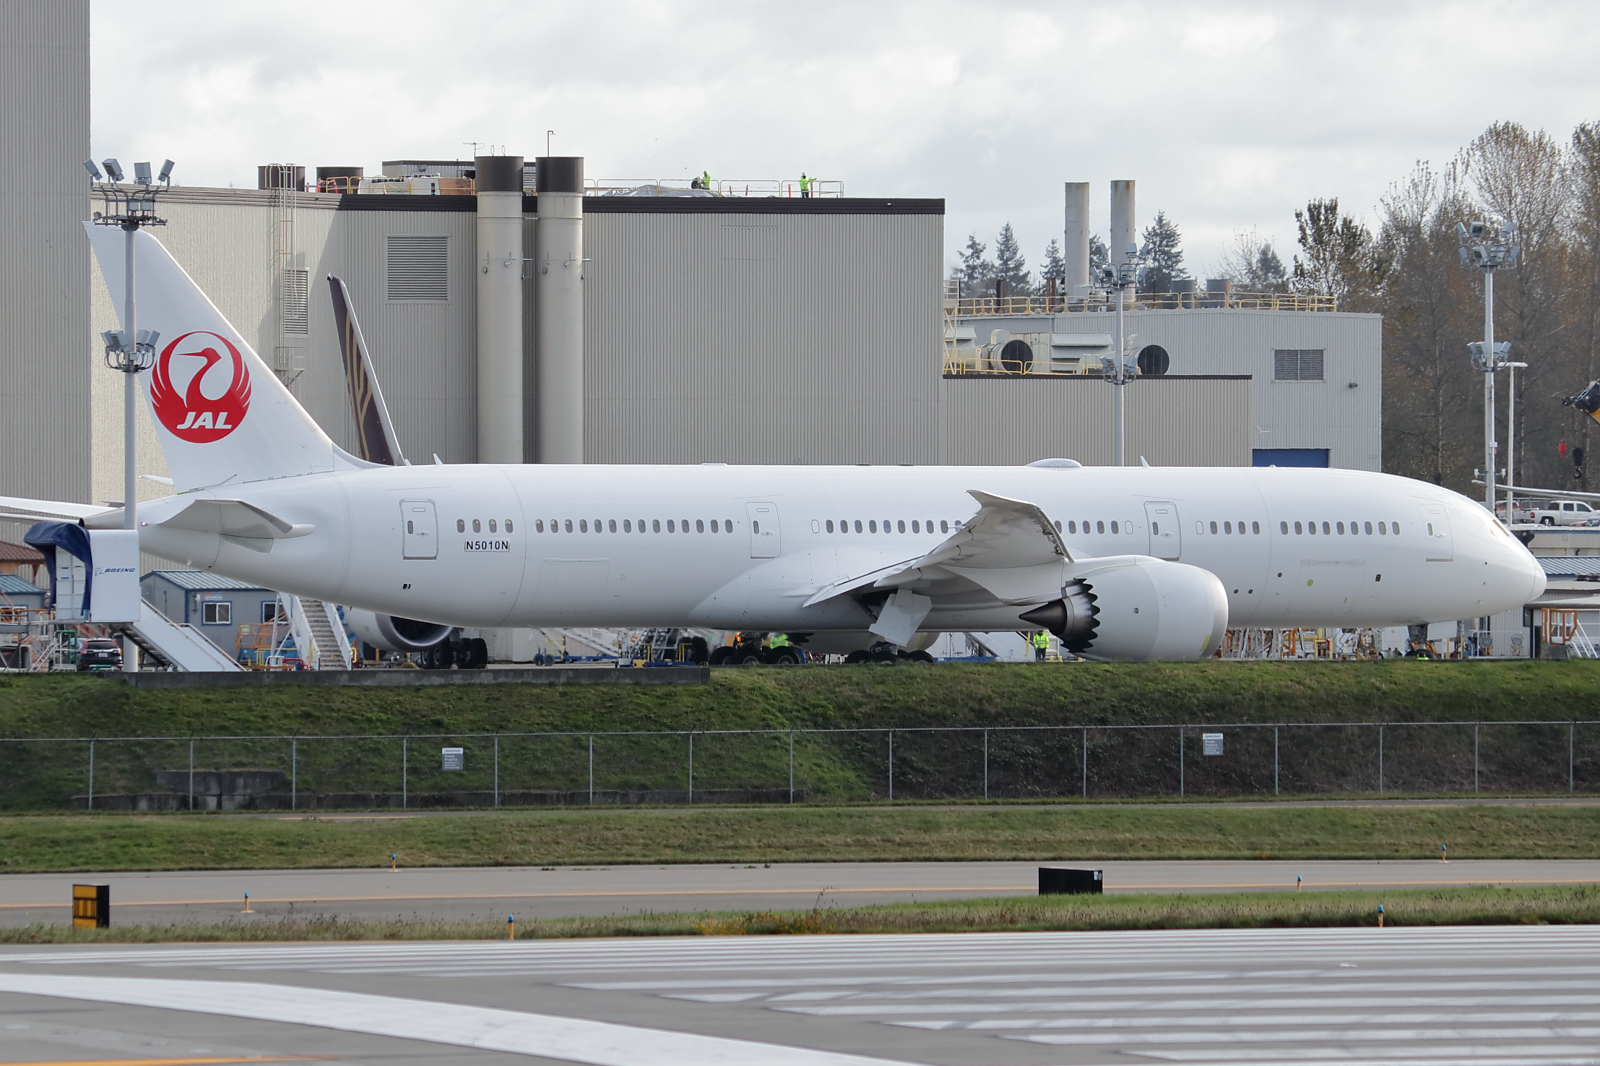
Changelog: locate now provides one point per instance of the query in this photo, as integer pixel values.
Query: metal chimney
(558, 285)
(499, 276)
(1075, 240)
(1124, 233)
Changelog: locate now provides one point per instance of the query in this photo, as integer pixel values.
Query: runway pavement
(1508, 996)
(468, 894)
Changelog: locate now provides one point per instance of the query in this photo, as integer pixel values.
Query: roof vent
(1057, 464)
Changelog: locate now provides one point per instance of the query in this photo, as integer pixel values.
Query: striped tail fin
(374, 430)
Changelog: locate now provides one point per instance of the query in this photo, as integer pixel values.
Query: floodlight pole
(130, 390)
(129, 210)
(1119, 279)
(1489, 446)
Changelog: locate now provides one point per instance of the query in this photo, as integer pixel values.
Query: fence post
(791, 766)
(1275, 791)
(1380, 759)
(405, 754)
(294, 775)
(1572, 728)
(591, 769)
(691, 767)
(891, 764)
(91, 775)
(1475, 727)
(985, 764)
(1180, 762)
(1085, 762)
(191, 773)
(497, 769)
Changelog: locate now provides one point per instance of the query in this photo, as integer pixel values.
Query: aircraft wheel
(699, 652)
(480, 653)
(782, 657)
(857, 656)
(720, 656)
(748, 658)
(920, 657)
(885, 656)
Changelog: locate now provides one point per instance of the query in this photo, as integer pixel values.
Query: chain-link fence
(789, 766)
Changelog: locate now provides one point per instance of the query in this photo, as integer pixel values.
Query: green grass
(816, 697)
(839, 766)
(1416, 907)
(799, 834)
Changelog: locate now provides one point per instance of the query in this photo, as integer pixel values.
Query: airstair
(177, 645)
(318, 633)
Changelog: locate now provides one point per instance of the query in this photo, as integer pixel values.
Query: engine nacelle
(1133, 608)
(394, 634)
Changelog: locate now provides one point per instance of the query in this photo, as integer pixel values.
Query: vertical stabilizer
(374, 430)
(222, 417)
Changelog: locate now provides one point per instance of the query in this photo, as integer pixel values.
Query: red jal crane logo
(191, 414)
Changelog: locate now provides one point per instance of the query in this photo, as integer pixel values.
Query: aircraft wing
(18, 507)
(1007, 553)
(1546, 494)
(235, 518)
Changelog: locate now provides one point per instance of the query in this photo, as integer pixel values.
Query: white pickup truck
(1555, 513)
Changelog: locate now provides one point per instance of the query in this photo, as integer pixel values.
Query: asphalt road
(1507, 996)
(468, 894)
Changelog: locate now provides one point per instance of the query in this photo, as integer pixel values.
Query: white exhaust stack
(499, 277)
(1123, 229)
(1075, 240)
(558, 288)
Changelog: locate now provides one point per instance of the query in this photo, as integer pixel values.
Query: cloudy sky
(1229, 115)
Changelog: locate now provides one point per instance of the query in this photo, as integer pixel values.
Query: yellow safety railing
(1144, 301)
(784, 188)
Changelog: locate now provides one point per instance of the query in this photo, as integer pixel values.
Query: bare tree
(1252, 264)
(1521, 176)
(1428, 383)
(1340, 257)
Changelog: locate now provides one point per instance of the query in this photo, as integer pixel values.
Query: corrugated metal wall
(762, 338)
(1288, 414)
(44, 272)
(1005, 421)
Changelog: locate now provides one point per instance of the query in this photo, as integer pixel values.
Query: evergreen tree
(1267, 273)
(975, 270)
(1163, 256)
(1055, 267)
(1010, 265)
(1341, 258)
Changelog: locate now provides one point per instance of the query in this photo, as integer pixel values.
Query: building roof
(1570, 565)
(12, 585)
(200, 581)
(19, 553)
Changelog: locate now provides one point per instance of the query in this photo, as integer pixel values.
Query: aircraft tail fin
(222, 416)
(374, 431)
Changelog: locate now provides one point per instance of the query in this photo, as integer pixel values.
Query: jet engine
(395, 634)
(1135, 609)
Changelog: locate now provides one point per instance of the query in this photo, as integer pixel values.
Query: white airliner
(1122, 564)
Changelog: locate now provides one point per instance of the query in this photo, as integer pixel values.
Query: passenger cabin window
(1213, 527)
(492, 528)
(944, 526)
(508, 525)
(1099, 527)
(569, 525)
(461, 525)
(699, 525)
(538, 525)
(477, 527)
(1283, 527)
(410, 526)
(1255, 527)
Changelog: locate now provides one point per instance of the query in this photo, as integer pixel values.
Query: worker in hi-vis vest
(1041, 644)
(805, 186)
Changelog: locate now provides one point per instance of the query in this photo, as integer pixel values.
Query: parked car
(100, 653)
(1560, 513)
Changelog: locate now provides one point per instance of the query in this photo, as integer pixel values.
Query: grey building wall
(762, 337)
(1299, 414)
(1171, 421)
(44, 138)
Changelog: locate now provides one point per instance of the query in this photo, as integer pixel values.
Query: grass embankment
(836, 766)
(798, 834)
(832, 697)
(1456, 906)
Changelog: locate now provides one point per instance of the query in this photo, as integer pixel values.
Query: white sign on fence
(454, 759)
(1212, 743)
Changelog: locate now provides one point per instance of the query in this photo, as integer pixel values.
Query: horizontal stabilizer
(27, 510)
(235, 518)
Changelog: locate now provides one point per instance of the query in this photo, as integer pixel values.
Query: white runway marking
(573, 1039)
